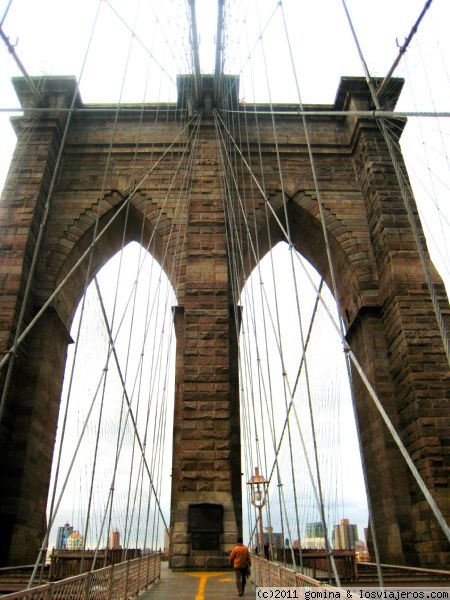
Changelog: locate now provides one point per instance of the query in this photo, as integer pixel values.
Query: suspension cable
(147, 175)
(33, 89)
(133, 33)
(127, 400)
(402, 50)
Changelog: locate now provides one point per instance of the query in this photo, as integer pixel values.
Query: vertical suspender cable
(194, 48)
(317, 496)
(402, 51)
(390, 426)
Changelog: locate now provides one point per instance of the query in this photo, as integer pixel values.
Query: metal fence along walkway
(151, 579)
(122, 581)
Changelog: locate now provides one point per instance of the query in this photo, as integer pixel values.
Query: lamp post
(258, 494)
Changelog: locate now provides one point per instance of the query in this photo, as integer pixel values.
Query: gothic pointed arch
(120, 224)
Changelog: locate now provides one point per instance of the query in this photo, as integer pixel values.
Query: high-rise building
(314, 530)
(114, 540)
(62, 535)
(314, 536)
(345, 535)
(75, 541)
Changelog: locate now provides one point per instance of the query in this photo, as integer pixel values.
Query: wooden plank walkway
(195, 585)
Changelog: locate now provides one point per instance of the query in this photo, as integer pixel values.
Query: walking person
(240, 560)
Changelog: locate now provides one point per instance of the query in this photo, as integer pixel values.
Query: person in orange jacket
(240, 560)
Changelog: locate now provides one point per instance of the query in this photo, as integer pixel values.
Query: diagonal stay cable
(120, 441)
(318, 492)
(253, 176)
(88, 270)
(130, 29)
(407, 200)
(57, 504)
(299, 370)
(5, 12)
(107, 225)
(327, 245)
(127, 400)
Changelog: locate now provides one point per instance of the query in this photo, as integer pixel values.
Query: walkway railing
(265, 573)
(118, 582)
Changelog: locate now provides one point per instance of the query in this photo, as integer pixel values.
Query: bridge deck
(195, 585)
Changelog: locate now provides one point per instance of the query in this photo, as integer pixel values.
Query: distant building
(114, 540)
(62, 535)
(314, 536)
(75, 541)
(345, 535)
(315, 530)
(361, 552)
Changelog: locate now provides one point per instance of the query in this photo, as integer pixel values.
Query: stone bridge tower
(384, 301)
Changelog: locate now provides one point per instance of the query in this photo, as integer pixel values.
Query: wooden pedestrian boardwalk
(195, 585)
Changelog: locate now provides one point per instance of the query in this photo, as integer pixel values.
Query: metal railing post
(111, 581)
(126, 578)
(149, 557)
(87, 586)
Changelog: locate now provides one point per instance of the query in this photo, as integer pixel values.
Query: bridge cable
(433, 176)
(263, 393)
(144, 47)
(249, 169)
(126, 67)
(124, 430)
(278, 330)
(128, 402)
(402, 50)
(251, 243)
(330, 262)
(144, 338)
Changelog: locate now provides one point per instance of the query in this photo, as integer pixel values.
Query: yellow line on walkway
(202, 583)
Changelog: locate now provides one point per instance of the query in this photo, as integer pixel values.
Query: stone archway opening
(108, 488)
(281, 316)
